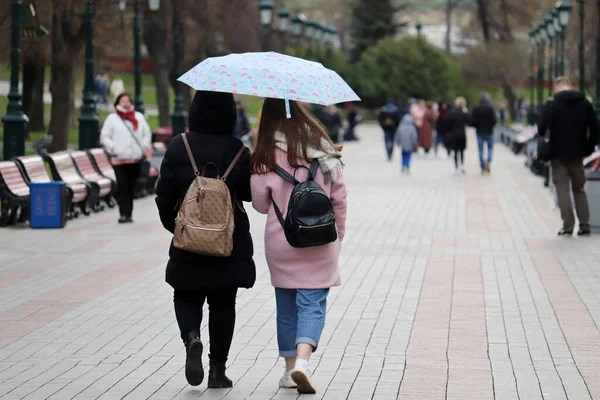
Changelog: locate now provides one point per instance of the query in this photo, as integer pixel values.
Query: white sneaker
(303, 378)
(287, 382)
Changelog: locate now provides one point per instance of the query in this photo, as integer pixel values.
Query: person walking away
(458, 121)
(484, 120)
(354, 118)
(407, 139)
(427, 128)
(105, 89)
(503, 114)
(242, 125)
(126, 136)
(389, 120)
(99, 90)
(116, 87)
(196, 278)
(442, 125)
(302, 277)
(331, 119)
(573, 130)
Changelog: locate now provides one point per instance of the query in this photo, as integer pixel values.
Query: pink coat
(291, 268)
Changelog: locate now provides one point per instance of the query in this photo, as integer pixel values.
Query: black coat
(456, 138)
(484, 119)
(211, 139)
(573, 125)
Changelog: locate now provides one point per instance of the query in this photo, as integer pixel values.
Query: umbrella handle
(288, 113)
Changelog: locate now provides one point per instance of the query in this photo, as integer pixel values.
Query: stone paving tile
(453, 287)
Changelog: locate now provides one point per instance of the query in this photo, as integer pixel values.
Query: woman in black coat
(456, 138)
(196, 278)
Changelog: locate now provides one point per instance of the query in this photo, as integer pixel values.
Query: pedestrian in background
(407, 139)
(484, 121)
(389, 120)
(331, 119)
(196, 278)
(354, 118)
(302, 277)
(427, 127)
(458, 120)
(242, 125)
(572, 124)
(117, 87)
(442, 125)
(126, 136)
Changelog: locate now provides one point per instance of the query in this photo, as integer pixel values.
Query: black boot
(217, 378)
(194, 371)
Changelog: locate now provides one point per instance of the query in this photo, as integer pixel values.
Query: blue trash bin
(48, 205)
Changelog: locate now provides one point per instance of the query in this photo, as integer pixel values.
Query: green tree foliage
(370, 22)
(406, 68)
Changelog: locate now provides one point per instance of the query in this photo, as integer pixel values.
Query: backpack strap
(190, 155)
(285, 175)
(233, 163)
(312, 172)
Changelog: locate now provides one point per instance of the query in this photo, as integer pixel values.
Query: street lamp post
(308, 33)
(137, 58)
(549, 25)
(179, 114)
(558, 31)
(283, 19)
(597, 100)
(88, 119)
(297, 26)
(581, 45)
(564, 14)
(541, 72)
(266, 20)
(532, 69)
(14, 120)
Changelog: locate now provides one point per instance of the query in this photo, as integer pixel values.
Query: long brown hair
(300, 130)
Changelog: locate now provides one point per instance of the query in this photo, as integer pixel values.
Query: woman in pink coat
(302, 277)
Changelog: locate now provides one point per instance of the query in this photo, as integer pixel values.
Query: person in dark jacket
(442, 127)
(572, 124)
(484, 120)
(389, 120)
(456, 138)
(354, 119)
(242, 125)
(331, 119)
(197, 278)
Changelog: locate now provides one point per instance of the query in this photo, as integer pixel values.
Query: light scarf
(330, 160)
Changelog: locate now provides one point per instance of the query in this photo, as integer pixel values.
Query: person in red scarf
(127, 138)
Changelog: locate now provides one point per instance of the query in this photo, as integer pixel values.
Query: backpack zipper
(300, 227)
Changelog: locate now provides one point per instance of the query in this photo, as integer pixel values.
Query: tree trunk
(449, 6)
(156, 39)
(33, 93)
(507, 35)
(511, 98)
(483, 19)
(62, 88)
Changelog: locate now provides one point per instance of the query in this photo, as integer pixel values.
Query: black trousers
(221, 317)
(127, 176)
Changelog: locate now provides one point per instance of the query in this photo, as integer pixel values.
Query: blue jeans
(483, 138)
(389, 143)
(300, 318)
(406, 157)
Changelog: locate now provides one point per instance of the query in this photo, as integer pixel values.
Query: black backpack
(310, 220)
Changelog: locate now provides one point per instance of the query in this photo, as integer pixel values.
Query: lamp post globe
(564, 8)
(297, 25)
(283, 19)
(558, 33)
(266, 13)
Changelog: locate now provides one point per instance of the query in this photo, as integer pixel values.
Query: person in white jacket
(117, 87)
(127, 138)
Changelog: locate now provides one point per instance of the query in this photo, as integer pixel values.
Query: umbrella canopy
(271, 75)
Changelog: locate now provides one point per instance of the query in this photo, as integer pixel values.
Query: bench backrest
(63, 163)
(159, 147)
(84, 164)
(13, 178)
(35, 169)
(103, 163)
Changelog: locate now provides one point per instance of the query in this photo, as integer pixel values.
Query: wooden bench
(104, 187)
(102, 163)
(63, 169)
(14, 194)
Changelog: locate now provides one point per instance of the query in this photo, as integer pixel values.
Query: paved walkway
(453, 287)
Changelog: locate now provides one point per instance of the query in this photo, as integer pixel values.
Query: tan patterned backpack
(205, 222)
